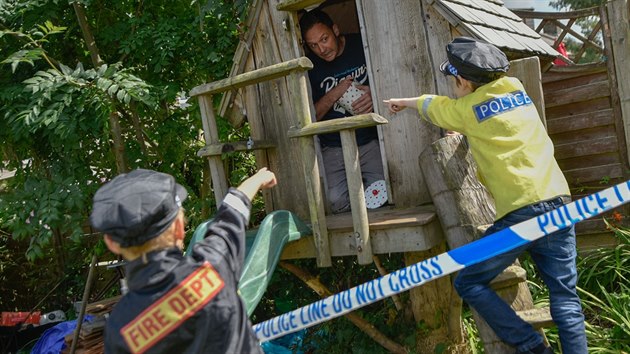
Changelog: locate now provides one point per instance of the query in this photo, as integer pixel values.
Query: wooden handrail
(219, 149)
(339, 124)
(591, 11)
(253, 77)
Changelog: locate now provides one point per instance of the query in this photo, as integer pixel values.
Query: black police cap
(136, 207)
(474, 60)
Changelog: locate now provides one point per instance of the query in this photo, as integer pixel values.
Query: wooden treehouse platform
(391, 230)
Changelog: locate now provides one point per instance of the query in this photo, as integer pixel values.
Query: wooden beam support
(339, 124)
(253, 77)
(218, 149)
(211, 136)
(618, 33)
(295, 5)
(357, 196)
(302, 108)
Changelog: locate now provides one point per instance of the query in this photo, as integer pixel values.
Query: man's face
(323, 41)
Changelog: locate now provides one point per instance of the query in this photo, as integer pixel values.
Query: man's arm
(324, 104)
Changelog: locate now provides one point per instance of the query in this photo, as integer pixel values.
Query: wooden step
(538, 317)
(510, 276)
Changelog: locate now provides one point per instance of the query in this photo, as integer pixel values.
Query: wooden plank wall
(401, 66)
(270, 114)
(588, 136)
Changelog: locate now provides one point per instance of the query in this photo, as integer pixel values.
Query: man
(339, 61)
(176, 304)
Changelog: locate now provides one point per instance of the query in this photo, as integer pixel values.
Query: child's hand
(395, 105)
(266, 178)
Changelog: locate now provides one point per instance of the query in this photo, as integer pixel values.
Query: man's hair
(313, 17)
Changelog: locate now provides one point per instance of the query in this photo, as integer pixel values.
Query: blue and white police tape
(443, 264)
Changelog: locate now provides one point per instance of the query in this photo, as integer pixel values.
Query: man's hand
(324, 104)
(363, 104)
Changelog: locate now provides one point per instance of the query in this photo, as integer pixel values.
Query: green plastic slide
(263, 249)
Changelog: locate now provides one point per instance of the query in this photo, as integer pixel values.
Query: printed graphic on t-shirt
(358, 74)
(168, 313)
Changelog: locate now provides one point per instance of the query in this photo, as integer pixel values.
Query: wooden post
(463, 205)
(357, 196)
(618, 30)
(211, 136)
(528, 71)
(301, 104)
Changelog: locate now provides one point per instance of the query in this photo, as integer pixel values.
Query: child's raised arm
(262, 179)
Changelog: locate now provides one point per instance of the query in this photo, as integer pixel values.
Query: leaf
(102, 69)
(103, 84)
(66, 70)
(120, 95)
(112, 89)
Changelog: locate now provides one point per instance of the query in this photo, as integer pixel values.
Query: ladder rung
(538, 317)
(510, 276)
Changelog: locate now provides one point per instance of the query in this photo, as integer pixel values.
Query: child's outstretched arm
(396, 105)
(262, 179)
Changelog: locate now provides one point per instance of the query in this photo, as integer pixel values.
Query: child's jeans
(554, 256)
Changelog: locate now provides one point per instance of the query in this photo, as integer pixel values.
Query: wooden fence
(586, 107)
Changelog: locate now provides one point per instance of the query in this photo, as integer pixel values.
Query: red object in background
(13, 318)
(562, 50)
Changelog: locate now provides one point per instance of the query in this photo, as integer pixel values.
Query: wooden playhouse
(404, 43)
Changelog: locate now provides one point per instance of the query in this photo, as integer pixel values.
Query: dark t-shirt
(326, 75)
(180, 304)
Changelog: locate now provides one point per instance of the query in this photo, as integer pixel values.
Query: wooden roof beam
(295, 5)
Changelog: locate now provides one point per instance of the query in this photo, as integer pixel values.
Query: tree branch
(363, 325)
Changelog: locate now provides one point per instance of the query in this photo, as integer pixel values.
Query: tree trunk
(114, 117)
(437, 308)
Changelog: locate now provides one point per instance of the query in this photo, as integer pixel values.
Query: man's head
(137, 207)
(474, 60)
(321, 35)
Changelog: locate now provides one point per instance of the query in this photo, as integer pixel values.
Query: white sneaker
(376, 194)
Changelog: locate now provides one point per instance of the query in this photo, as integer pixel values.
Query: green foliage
(603, 288)
(285, 293)
(568, 5)
(56, 115)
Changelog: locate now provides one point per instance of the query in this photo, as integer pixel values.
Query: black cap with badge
(136, 207)
(474, 60)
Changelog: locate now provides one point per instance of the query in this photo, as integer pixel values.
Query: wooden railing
(571, 17)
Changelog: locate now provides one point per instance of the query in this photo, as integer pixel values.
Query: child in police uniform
(516, 164)
(176, 304)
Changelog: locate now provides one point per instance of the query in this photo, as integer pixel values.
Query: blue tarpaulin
(53, 340)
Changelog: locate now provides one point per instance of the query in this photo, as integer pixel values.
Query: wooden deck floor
(391, 230)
